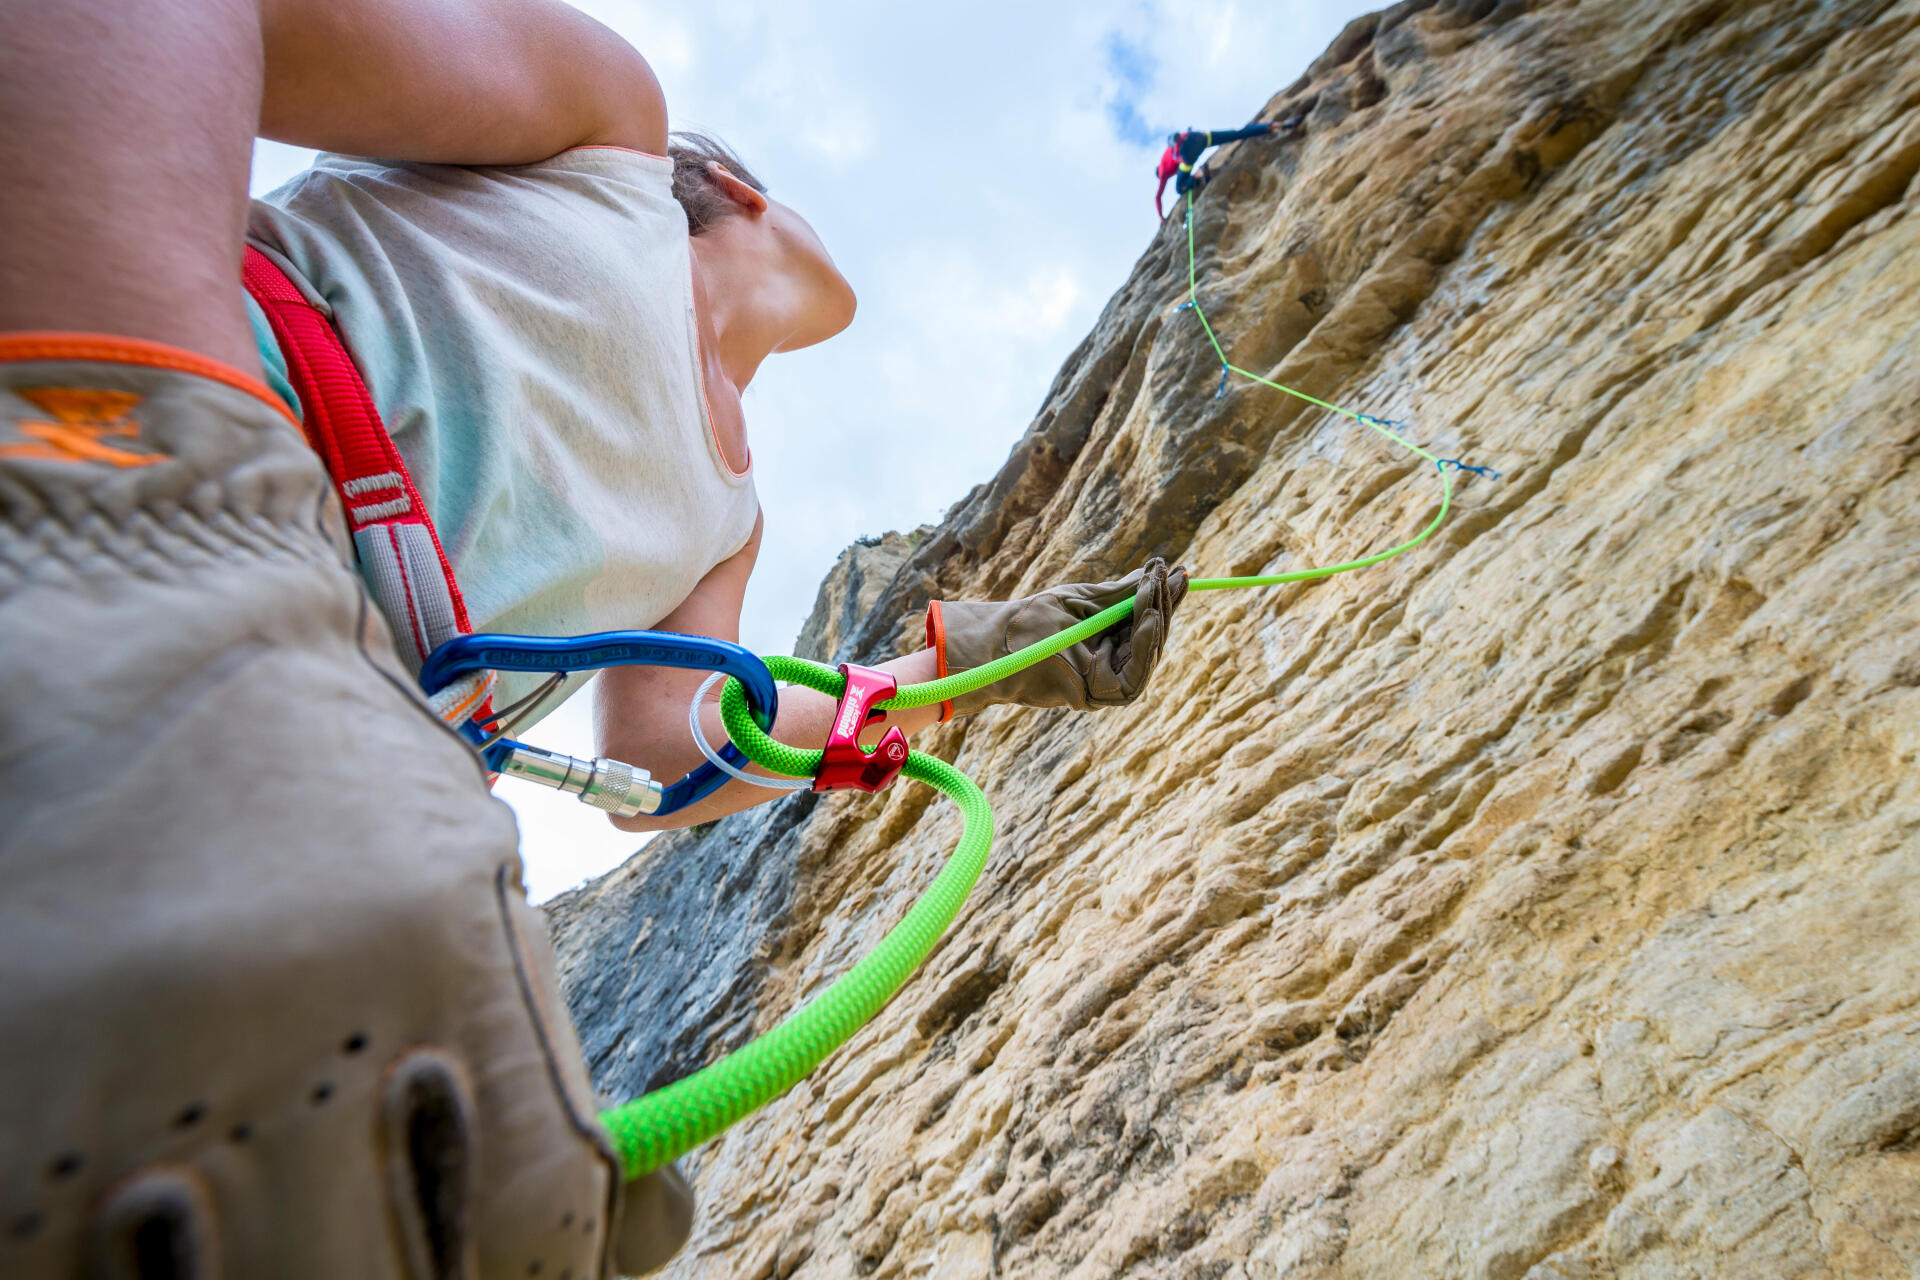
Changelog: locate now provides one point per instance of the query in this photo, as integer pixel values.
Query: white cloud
(963, 165)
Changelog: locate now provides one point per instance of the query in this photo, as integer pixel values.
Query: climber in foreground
(278, 1003)
(1183, 152)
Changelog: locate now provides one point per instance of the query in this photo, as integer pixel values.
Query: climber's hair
(695, 188)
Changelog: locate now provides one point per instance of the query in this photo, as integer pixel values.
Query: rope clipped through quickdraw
(669, 1122)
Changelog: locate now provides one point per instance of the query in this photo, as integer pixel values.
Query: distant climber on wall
(1183, 152)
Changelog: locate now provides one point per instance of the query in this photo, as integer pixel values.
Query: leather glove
(1110, 670)
(275, 1003)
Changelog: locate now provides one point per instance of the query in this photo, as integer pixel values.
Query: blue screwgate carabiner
(606, 784)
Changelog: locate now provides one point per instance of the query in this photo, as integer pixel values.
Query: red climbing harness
(406, 570)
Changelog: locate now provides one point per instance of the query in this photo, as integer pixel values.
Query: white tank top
(528, 335)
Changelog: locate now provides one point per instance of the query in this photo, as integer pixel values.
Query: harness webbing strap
(406, 569)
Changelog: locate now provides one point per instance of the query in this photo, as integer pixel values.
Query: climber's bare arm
(641, 713)
(126, 133)
(453, 81)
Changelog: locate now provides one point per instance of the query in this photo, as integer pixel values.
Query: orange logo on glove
(84, 421)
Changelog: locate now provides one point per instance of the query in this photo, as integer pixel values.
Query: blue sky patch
(1132, 68)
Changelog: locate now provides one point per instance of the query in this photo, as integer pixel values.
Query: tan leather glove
(275, 1004)
(1108, 671)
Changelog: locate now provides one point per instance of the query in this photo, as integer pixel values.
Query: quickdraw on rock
(667, 1123)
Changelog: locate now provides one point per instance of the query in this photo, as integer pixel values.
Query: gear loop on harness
(406, 570)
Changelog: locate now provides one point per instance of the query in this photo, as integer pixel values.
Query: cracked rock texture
(1543, 903)
(850, 591)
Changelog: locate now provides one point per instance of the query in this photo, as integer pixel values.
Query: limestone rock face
(1543, 903)
(850, 591)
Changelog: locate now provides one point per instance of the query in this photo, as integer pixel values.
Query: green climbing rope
(667, 1123)
(659, 1126)
(945, 690)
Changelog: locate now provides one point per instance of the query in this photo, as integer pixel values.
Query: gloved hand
(1108, 671)
(275, 1003)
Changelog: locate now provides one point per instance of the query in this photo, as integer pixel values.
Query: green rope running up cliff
(667, 1123)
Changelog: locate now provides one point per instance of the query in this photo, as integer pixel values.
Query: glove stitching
(539, 1016)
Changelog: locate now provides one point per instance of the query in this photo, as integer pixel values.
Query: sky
(983, 175)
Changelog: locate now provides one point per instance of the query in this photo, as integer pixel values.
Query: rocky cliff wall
(851, 590)
(1541, 904)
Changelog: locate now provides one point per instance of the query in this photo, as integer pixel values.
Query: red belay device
(843, 765)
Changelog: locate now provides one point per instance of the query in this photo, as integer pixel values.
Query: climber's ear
(746, 197)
